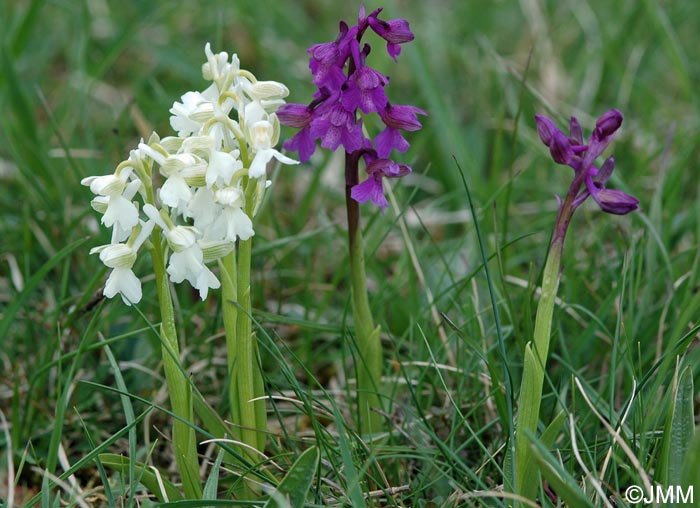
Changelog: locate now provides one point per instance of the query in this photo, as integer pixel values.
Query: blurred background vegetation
(81, 82)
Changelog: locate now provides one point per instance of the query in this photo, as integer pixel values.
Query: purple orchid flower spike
(588, 180)
(570, 150)
(347, 89)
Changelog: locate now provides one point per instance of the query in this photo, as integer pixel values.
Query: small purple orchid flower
(571, 151)
(377, 168)
(347, 86)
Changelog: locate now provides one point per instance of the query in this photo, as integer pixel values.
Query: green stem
(179, 388)
(369, 370)
(536, 352)
(248, 377)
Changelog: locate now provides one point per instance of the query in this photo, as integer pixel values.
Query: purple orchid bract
(571, 151)
(346, 86)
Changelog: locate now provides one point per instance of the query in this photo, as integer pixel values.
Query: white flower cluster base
(213, 176)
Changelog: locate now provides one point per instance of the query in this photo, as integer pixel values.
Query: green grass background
(81, 82)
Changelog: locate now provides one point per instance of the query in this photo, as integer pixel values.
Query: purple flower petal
(302, 142)
(605, 171)
(328, 59)
(294, 115)
(395, 32)
(365, 90)
(390, 139)
(403, 117)
(387, 168)
(346, 86)
(337, 126)
(370, 190)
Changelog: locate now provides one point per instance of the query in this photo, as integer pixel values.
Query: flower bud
(575, 131)
(545, 128)
(608, 123)
(402, 117)
(106, 185)
(199, 145)
(181, 238)
(560, 147)
(117, 255)
(616, 202)
(174, 164)
(213, 250)
(268, 90)
(203, 112)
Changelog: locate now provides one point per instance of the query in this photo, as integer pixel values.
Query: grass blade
(129, 416)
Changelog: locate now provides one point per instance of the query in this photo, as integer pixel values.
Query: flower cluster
(346, 86)
(571, 151)
(213, 177)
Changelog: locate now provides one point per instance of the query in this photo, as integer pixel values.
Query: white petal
(222, 165)
(147, 151)
(261, 133)
(186, 265)
(203, 208)
(175, 192)
(121, 211)
(178, 267)
(205, 280)
(153, 214)
(87, 181)
(283, 158)
(239, 225)
(259, 165)
(124, 282)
